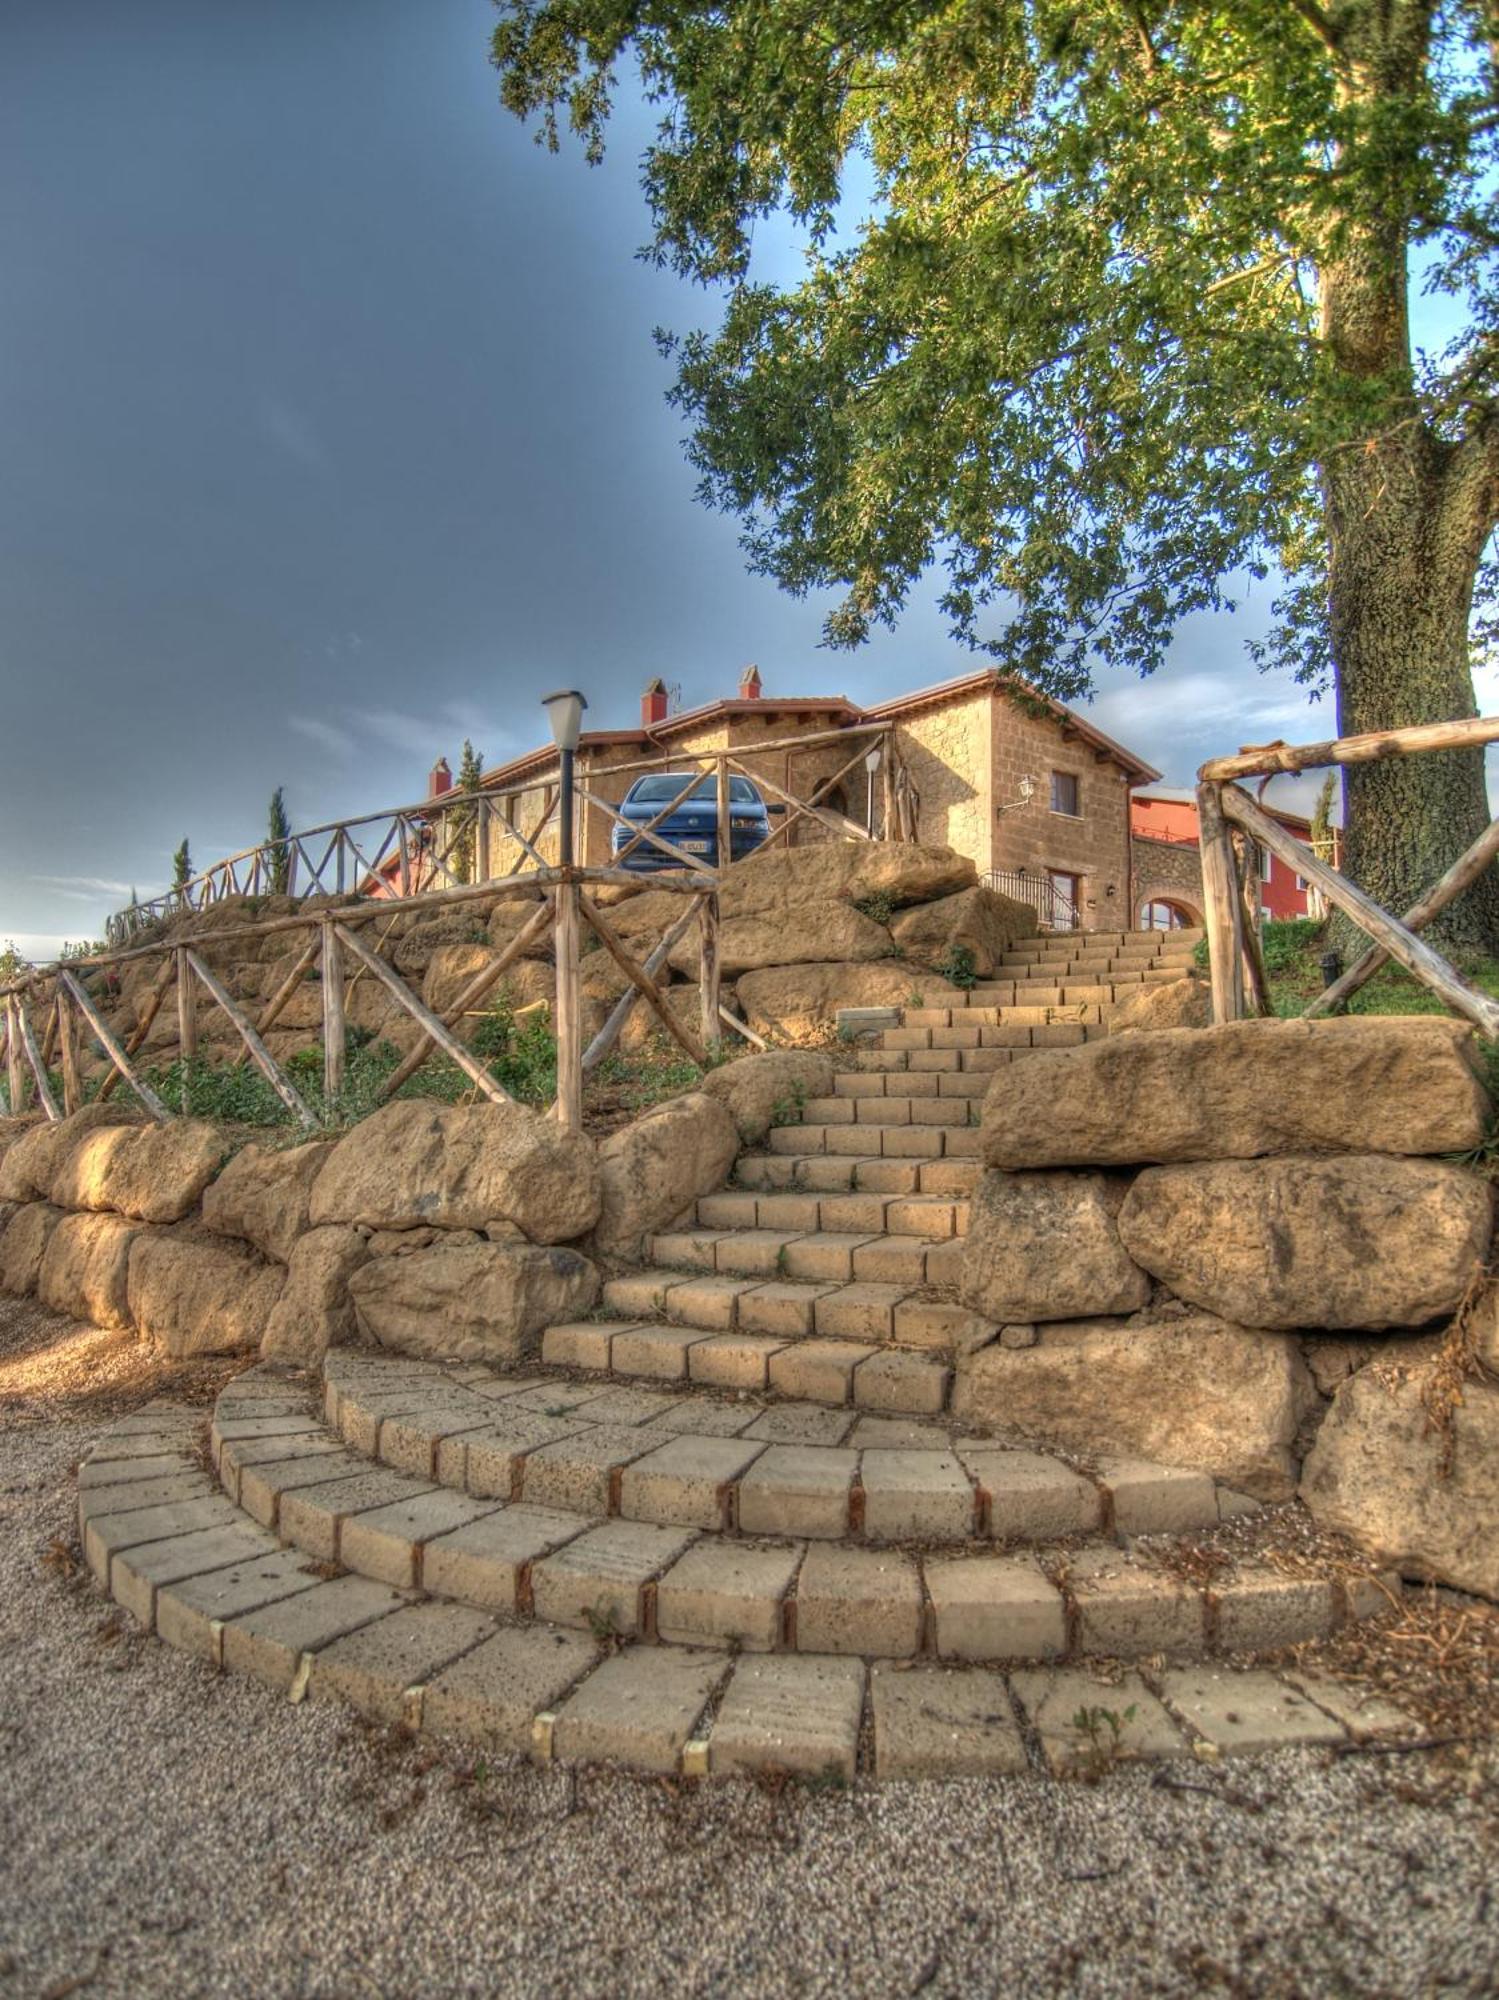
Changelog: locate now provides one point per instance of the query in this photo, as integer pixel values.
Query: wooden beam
(276, 1006)
(638, 977)
(1221, 908)
(811, 805)
(1468, 734)
(35, 1064)
(1401, 943)
(1463, 873)
(404, 998)
(143, 1027)
(187, 1009)
(15, 1068)
(112, 1048)
(334, 1037)
(709, 982)
(260, 1055)
(567, 1014)
(627, 1002)
(67, 1043)
(680, 854)
(742, 1028)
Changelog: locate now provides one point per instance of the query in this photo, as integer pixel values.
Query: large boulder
(1163, 1003)
(977, 922)
(195, 1293)
(833, 931)
(29, 1164)
(643, 1027)
(264, 1195)
(1385, 1471)
(657, 1166)
(799, 1003)
(152, 1173)
(24, 1244)
(887, 873)
(1046, 1247)
(769, 1088)
(1363, 1083)
(1339, 1241)
(461, 1167)
(85, 1270)
(315, 1311)
(1191, 1391)
(471, 1301)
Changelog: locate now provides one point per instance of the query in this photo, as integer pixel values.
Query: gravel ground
(167, 1832)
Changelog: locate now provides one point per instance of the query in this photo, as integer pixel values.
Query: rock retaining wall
(1239, 1247)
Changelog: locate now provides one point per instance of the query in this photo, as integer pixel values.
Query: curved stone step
(196, 1570)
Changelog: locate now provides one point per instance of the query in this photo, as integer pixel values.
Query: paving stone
(709, 1304)
(190, 1611)
(269, 1640)
(122, 1496)
(1151, 1499)
(753, 1253)
(491, 1695)
(897, 1434)
(859, 1312)
(858, 1601)
(623, 1406)
(929, 1323)
(733, 1360)
(685, 1249)
(259, 1488)
(1056, 1699)
(556, 1397)
(576, 1473)
(798, 1490)
(822, 1371)
(802, 1423)
(1261, 1610)
(374, 1667)
(487, 1561)
(794, 1213)
(827, 1256)
(639, 1295)
(486, 1463)
(792, 1714)
(598, 1581)
(894, 1379)
(248, 1427)
(580, 1343)
(722, 1592)
(916, 1496)
(104, 1535)
(411, 1443)
(130, 1471)
(783, 1309)
(659, 1353)
(1367, 1716)
(1244, 1711)
(1127, 1609)
(729, 1210)
(861, 1211)
(387, 1542)
(1031, 1497)
(313, 1516)
(686, 1482)
(943, 1722)
(639, 1707)
(137, 1576)
(707, 1416)
(891, 1260)
(995, 1608)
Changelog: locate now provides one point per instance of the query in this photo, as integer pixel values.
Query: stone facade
(1167, 872)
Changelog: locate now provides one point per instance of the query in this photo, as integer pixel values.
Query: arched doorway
(1165, 913)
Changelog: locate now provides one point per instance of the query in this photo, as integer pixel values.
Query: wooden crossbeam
(627, 1002)
(260, 1055)
(470, 995)
(112, 1048)
(34, 1062)
(643, 981)
(404, 998)
(692, 861)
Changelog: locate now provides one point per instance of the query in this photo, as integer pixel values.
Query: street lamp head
(1027, 788)
(565, 713)
(872, 760)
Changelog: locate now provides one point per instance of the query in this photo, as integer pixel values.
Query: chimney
(653, 703)
(749, 684)
(439, 778)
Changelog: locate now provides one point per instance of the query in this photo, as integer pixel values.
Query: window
(1064, 794)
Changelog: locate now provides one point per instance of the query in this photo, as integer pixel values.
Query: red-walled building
(1167, 868)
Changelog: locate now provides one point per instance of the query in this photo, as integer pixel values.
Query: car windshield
(662, 789)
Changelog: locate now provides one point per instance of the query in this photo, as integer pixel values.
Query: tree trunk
(1404, 547)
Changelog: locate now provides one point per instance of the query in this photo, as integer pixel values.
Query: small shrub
(879, 907)
(957, 965)
(790, 1110)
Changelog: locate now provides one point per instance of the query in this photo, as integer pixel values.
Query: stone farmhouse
(1037, 796)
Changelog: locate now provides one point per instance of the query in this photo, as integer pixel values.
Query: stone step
(819, 1255)
(856, 1083)
(935, 1062)
(828, 1173)
(901, 1142)
(1049, 1011)
(786, 1308)
(871, 1212)
(888, 1110)
(1026, 1027)
(233, 1597)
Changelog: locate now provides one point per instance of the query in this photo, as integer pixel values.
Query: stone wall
(1167, 871)
(1251, 1249)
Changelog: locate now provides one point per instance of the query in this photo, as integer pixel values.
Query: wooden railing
(1227, 814)
(49, 1010)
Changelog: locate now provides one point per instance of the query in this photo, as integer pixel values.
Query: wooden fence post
(725, 815)
(15, 1072)
(1221, 906)
(709, 981)
(333, 1017)
(187, 1017)
(67, 1044)
(569, 1021)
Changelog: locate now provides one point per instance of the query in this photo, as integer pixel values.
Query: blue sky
(335, 433)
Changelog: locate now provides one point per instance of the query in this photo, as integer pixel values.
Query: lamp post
(565, 713)
(871, 765)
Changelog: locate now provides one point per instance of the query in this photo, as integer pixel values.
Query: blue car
(694, 825)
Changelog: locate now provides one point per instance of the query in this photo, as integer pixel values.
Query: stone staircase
(732, 1522)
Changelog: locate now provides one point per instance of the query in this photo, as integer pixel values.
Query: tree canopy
(1128, 315)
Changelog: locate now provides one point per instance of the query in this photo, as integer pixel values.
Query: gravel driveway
(166, 1832)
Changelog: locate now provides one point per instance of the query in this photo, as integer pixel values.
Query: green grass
(1293, 949)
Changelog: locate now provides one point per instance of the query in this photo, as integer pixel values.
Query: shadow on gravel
(54, 1370)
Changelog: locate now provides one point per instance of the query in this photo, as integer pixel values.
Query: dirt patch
(55, 1370)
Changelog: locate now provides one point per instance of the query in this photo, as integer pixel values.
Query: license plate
(696, 846)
